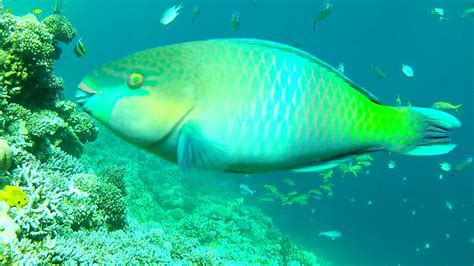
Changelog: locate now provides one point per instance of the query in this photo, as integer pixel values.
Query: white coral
(8, 227)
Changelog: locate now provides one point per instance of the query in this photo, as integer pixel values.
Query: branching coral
(60, 27)
(27, 37)
(115, 175)
(106, 196)
(135, 246)
(60, 161)
(31, 93)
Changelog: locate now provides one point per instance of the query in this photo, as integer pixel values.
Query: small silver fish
(340, 68)
(235, 21)
(439, 13)
(170, 14)
(196, 13)
(331, 234)
(391, 164)
(445, 166)
(324, 12)
(245, 190)
(379, 71)
(408, 71)
(463, 164)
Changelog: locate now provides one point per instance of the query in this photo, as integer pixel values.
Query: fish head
(165, 21)
(140, 97)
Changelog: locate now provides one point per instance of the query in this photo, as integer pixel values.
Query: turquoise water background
(358, 33)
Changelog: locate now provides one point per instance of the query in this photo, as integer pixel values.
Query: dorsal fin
(307, 56)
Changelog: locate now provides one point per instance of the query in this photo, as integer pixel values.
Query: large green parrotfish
(244, 105)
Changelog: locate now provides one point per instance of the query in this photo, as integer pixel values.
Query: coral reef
(32, 102)
(42, 134)
(199, 222)
(60, 27)
(106, 196)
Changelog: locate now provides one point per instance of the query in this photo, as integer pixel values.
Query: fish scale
(323, 132)
(276, 101)
(251, 106)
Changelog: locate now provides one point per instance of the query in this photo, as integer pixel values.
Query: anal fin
(321, 166)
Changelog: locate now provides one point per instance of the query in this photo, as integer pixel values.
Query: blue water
(358, 33)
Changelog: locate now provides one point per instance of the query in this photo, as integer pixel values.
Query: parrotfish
(245, 105)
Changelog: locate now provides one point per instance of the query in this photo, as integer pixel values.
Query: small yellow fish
(301, 199)
(446, 106)
(8, 10)
(364, 163)
(271, 188)
(37, 11)
(350, 168)
(326, 175)
(266, 199)
(292, 193)
(315, 191)
(325, 187)
(364, 157)
(13, 196)
(288, 181)
(235, 21)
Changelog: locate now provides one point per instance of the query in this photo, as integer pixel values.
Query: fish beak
(83, 93)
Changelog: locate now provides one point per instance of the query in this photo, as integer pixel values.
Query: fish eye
(19, 202)
(135, 80)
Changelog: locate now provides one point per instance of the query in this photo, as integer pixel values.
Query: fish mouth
(83, 93)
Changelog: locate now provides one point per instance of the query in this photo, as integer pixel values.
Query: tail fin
(457, 108)
(436, 136)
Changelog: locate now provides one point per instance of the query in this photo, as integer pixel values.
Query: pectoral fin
(196, 152)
